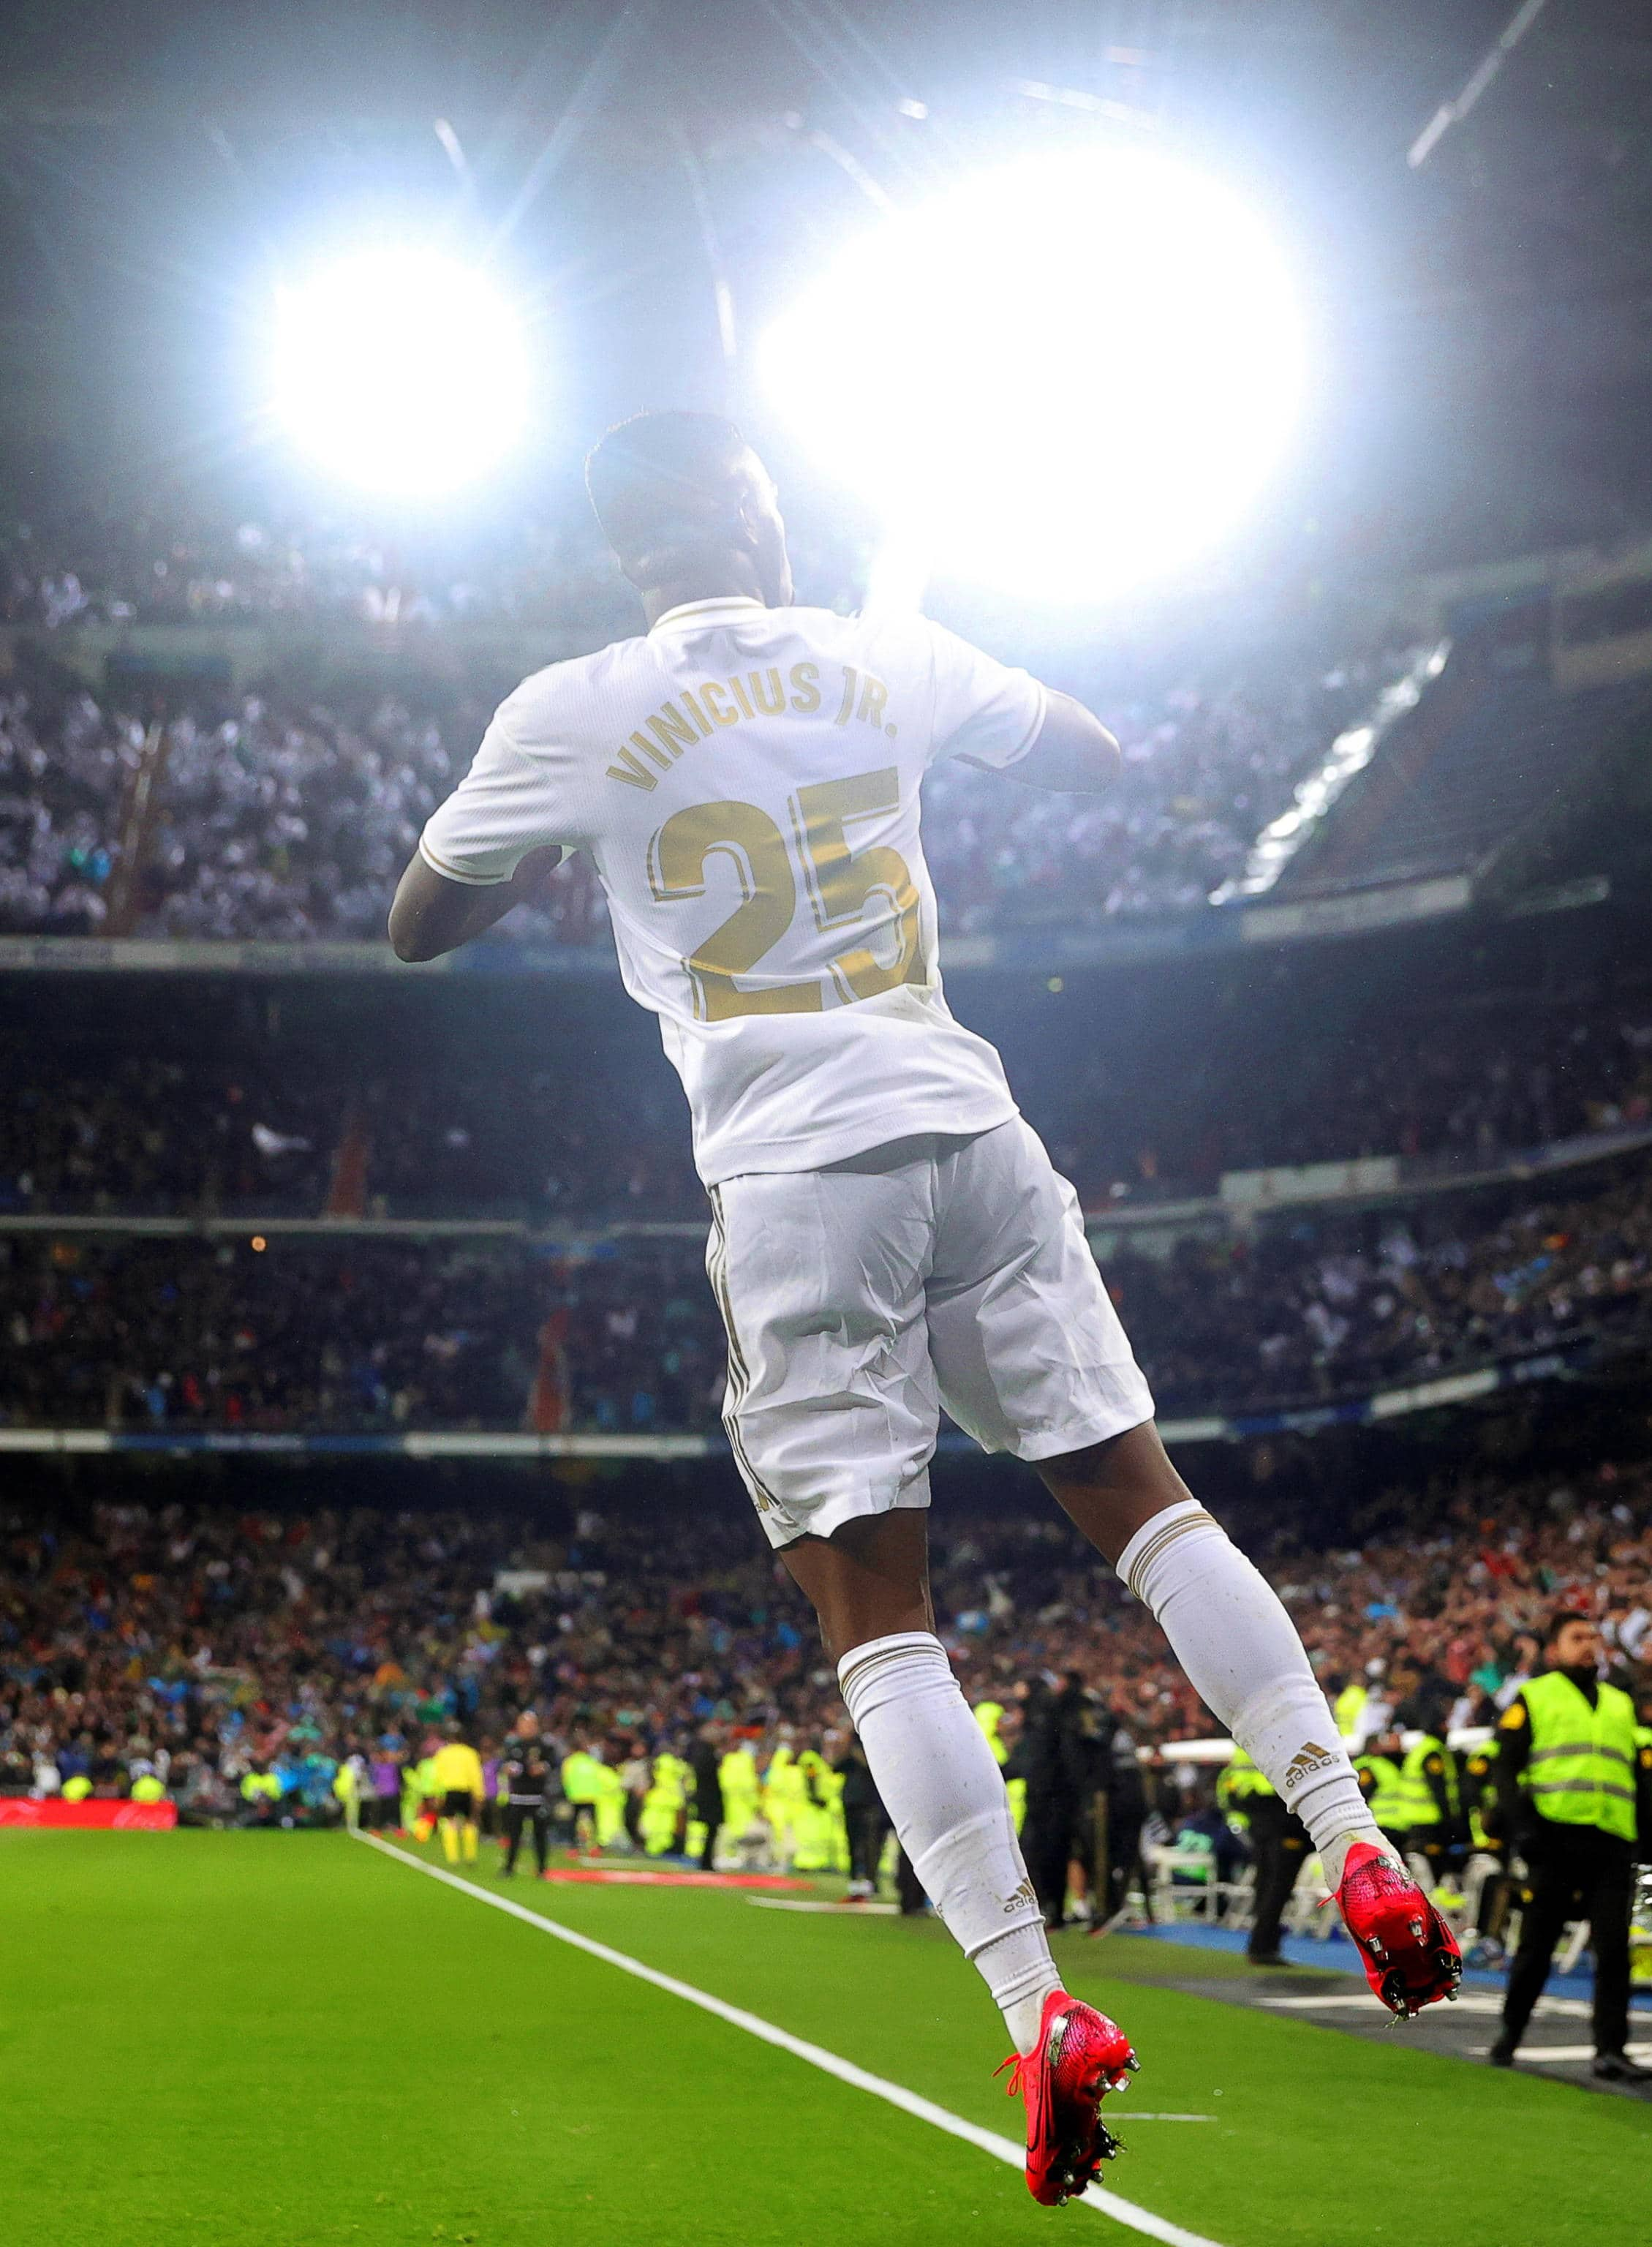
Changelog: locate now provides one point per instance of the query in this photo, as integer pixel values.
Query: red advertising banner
(121, 1817)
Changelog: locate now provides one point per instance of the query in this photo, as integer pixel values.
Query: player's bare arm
(1074, 751)
(432, 915)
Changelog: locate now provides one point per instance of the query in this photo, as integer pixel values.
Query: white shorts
(861, 1298)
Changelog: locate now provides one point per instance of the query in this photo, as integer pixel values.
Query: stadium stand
(1461, 781)
(301, 1332)
(1310, 1072)
(169, 806)
(362, 1390)
(202, 1641)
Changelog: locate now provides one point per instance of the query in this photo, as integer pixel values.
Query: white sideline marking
(1472, 2001)
(835, 1911)
(1138, 2115)
(895, 2094)
(1355, 2001)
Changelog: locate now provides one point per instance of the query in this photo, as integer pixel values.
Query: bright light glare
(400, 369)
(1065, 377)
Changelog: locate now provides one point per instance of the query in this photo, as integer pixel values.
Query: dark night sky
(1489, 318)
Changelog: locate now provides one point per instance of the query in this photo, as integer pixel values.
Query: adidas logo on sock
(1025, 1894)
(1308, 1759)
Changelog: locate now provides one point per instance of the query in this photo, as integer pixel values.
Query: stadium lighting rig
(1064, 378)
(401, 370)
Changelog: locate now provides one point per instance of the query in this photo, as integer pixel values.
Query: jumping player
(887, 1235)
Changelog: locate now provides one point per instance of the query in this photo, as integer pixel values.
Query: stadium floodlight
(400, 369)
(1065, 377)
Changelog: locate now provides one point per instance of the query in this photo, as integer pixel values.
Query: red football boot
(1410, 1954)
(1079, 2058)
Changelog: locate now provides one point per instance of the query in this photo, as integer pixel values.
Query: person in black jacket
(1066, 1760)
(1126, 1816)
(527, 1776)
(705, 1759)
(865, 1822)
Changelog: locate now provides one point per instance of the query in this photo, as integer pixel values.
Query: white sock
(1242, 1654)
(941, 1785)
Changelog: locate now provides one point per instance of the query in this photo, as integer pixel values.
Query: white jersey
(747, 781)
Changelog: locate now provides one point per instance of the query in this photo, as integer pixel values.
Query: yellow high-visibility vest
(1581, 1771)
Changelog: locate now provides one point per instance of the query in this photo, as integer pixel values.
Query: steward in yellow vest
(1349, 1710)
(582, 1776)
(664, 1805)
(1382, 1783)
(1430, 1804)
(813, 1834)
(261, 1792)
(784, 1791)
(1479, 1791)
(426, 1801)
(1574, 1796)
(743, 1790)
(989, 1715)
(1280, 1848)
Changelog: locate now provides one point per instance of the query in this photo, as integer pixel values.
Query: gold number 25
(841, 884)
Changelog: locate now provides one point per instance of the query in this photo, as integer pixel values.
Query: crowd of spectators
(1463, 1085)
(283, 819)
(1206, 766)
(295, 1335)
(198, 1644)
(1147, 1112)
(285, 814)
(1305, 1310)
(151, 1138)
(142, 1135)
(135, 566)
(621, 1335)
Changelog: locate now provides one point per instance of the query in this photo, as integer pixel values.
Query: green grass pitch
(267, 2040)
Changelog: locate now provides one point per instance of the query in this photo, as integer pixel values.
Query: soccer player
(458, 1788)
(887, 1234)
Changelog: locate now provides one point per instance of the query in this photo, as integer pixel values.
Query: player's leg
(1225, 1622)
(930, 1759)
(1032, 1360)
(470, 1836)
(513, 1840)
(832, 1415)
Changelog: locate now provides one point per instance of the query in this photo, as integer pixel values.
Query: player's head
(1572, 1641)
(683, 499)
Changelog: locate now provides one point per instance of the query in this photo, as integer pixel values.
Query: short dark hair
(1560, 1619)
(667, 487)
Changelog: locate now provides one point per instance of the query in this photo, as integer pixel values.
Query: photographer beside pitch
(888, 1234)
(1573, 1779)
